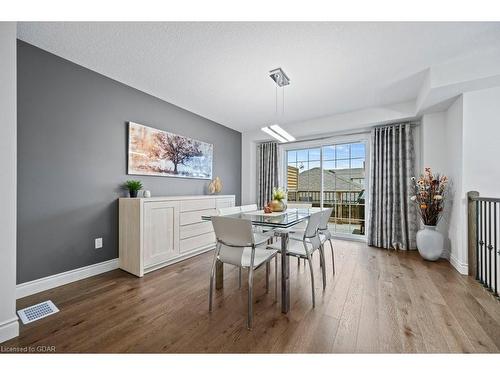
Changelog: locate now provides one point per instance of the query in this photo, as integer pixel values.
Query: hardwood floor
(378, 301)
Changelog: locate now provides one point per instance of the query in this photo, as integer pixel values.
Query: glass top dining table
(276, 221)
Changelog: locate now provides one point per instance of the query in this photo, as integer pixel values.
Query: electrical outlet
(98, 243)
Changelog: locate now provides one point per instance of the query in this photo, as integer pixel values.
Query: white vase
(430, 242)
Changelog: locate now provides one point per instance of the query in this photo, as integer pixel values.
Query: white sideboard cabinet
(155, 232)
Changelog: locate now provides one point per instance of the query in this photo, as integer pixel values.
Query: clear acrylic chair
(239, 245)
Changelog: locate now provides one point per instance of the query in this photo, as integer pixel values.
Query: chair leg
(210, 293)
(333, 256)
(322, 262)
(239, 278)
(250, 298)
(309, 260)
(212, 277)
(276, 278)
(267, 277)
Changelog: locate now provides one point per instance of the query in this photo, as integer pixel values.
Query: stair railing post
(472, 232)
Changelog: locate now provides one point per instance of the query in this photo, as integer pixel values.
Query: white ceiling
(220, 70)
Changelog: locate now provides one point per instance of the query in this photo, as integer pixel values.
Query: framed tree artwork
(156, 152)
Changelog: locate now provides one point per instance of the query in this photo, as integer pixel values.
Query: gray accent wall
(72, 159)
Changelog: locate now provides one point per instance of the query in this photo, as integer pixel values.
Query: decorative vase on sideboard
(430, 243)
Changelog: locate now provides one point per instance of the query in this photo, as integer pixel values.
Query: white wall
(481, 115)
(433, 133)
(9, 326)
(457, 209)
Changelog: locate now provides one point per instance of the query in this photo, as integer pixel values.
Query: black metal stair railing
(484, 252)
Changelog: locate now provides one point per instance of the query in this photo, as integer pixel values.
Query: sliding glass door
(332, 175)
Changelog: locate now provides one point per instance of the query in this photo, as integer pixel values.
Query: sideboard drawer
(197, 204)
(197, 242)
(196, 229)
(225, 202)
(195, 216)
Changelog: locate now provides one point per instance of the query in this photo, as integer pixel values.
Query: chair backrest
(313, 225)
(311, 232)
(299, 205)
(248, 208)
(233, 232)
(229, 210)
(325, 218)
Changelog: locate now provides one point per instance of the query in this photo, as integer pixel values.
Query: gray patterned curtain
(268, 172)
(393, 221)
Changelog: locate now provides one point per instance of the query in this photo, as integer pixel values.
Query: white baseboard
(9, 329)
(462, 268)
(53, 281)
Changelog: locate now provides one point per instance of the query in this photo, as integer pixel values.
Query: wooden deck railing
(346, 211)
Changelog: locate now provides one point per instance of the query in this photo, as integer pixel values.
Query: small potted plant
(133, 186)
(278, 204)
(429, 196)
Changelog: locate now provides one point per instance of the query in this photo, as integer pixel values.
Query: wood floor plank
(377, 301)
(411, 336)
(433, 340)
(367, 340)
(345, 339)
(388, 325)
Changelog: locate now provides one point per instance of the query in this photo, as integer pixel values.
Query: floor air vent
(36, 312)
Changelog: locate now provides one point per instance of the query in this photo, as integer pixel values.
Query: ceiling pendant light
(275, 131)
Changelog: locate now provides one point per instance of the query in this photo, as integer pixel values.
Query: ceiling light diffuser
(273, 134)
(282, 132)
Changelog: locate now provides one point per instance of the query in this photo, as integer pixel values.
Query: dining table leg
(219, 275)
(285, 274)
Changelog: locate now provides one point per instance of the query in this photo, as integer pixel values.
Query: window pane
(292, 180)
(357, 163)
(342, 151)
(357, 150)
(328, 153)
(314, 154)
(292, 156)
(314, 164)
(301, 165)
(328, 165)
(302, 155)
(343, 164)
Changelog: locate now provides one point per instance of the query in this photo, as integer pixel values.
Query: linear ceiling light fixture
(281, 80)
(272, 133)
(282, 132)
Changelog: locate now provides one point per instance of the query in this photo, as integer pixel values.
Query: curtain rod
(346, 133)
